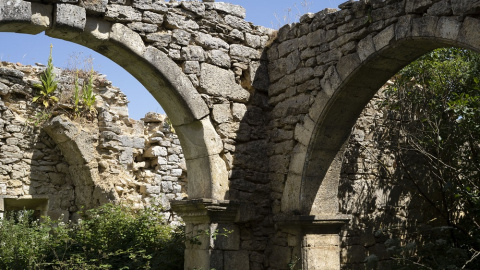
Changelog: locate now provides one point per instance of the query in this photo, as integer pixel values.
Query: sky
(31, 49)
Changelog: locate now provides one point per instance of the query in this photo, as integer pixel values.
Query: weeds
(109, 237)
(48, 85)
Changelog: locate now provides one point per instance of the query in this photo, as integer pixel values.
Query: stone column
(318, 237)
(213, 240)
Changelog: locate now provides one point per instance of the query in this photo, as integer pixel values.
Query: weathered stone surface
(243, 53)
(127, 37)
(236, 10)
(121, 13)
(238, 23)
(208, 42)
(70, 17)
(197, 8)
(95, 6)
(219, 82)
(15, 11)
(193, 53)
(219, 58)
(152, 17)
(175, 21)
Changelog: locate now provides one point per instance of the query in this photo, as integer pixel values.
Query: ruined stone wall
(136, 162)
(383, 184)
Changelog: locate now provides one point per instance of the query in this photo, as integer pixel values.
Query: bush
(109, 237)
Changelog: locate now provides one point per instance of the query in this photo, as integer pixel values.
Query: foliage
(109, 237)
(39, 118)
(85, 105)
(88, 96)
(48, 85)
(435, 105)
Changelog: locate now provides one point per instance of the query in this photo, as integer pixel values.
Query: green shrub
(109, 237)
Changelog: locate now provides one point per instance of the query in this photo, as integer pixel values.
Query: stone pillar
(213, 240)
(318, 237)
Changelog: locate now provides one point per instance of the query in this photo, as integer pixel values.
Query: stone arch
(348, 87)
(189, 114)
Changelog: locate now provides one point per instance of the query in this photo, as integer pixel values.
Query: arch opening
(188, 113)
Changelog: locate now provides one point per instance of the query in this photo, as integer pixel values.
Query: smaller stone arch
(154, 69)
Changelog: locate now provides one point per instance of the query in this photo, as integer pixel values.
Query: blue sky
(29, 49)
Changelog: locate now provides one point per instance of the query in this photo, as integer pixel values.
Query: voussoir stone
(15, 10)
(219, 82)
(70, 16)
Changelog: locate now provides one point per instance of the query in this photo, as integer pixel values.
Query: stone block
(424, 27)
(127, 38)
(210, 43)
(441, 8)
(232, 9)
(152, 17)
(417, 6)
(448, 28)
(227, 237)
(95, 7)
(191, 67)
(181, 37)
(384, 38)
(238, 260)
(330, 81)
(469, 33)
(243, 53)
(155, 151)
(238, 23)
(193, 53)
(176, 21)
(348, 64)
(219, 82)
(15, 11)
(221, 113)
(464, 7)
(120, 13)
(69, 21)
(197, 8)
(219, 58)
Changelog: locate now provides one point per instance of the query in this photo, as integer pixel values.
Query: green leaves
(109, 237)
(437, 99)
(85, 105)
(48, 86)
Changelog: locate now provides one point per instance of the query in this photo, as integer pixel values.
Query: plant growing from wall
(84, 100)
(88, 97)
(48, 86)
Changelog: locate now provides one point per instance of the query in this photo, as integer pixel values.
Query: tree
(435, 106)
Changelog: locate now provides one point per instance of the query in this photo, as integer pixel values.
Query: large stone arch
(345, 57)
(346, 87)
(354, 81)
(189, 114)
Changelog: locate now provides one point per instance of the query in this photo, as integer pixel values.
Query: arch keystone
(69, 21)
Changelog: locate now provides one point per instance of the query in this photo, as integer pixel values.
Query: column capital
(329, 223)
(206, 210)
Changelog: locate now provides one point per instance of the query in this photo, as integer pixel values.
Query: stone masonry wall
(139, 162)
(386, 203)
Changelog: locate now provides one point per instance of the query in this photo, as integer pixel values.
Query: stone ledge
(319, 224)
(206, 210)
